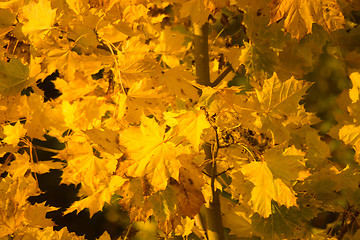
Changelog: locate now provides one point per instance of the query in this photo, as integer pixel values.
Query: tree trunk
(214, 227)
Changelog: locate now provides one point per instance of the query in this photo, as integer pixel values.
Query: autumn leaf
(277, 100)
(95, 202)
(83, 166)
(178, 82)
(191, 125)
(45, 166)
(279, 97)
(188, 188)
(318, 151)
(13, 133)
(266, 188)
(35, 215)
(196, 10)
(113, 32)
(152, 153)
(134, 12)
(18, 168)
(300, 15)
(105, 140)
(13, 77)
(78, 6)
(41, 18)
(185, 229)
(350, 134)
(89, 113)
(286, 164)
(354, 91)
(235, 218)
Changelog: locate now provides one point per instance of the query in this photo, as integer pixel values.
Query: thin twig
(221, 76)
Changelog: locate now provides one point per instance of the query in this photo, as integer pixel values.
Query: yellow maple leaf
(83, 166)
(170, 46)
(354, 91)
(185, 228)
(78, 6)
(18, 168)
(266, 188)
(133, 13)
(95, 201)
(300, 15)
(84, 114)
(283, 194)
(284, 165)
(350, 134)
(151, 152)
(13, 133)
(178, 82)
(41, 18)
(113, 32)
(281, 97)
(63, 59)
(41, 117)
(35, 215)
(196, 10)
(191, 125)
(74, 89)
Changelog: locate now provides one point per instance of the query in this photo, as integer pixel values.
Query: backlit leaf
(152, 154)
(13, 133)
(41, 18)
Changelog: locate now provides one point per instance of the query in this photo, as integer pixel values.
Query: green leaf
(13, 77)
(284, 165)
(282, 224)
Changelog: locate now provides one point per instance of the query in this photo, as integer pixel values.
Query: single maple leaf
(191, 125)
(13, 77)
(300, 15)
(84, 114)
(78, 6)
(188, 188)
(350, 134)
(35, 215)
(236, 218)
(13, 133)
(185, 228)
(266, 188)
(133, 12)
(279, 100)
(318, 151)
(41, 18)
(178, 82)
(196, 10)
(281, 97)
(152, 153)
(95, 201)
(286, 164)
(63, 59)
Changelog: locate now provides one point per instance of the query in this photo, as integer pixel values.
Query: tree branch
(221, 76)
(201, 50)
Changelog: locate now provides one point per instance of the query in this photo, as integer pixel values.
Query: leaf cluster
(136, 122)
